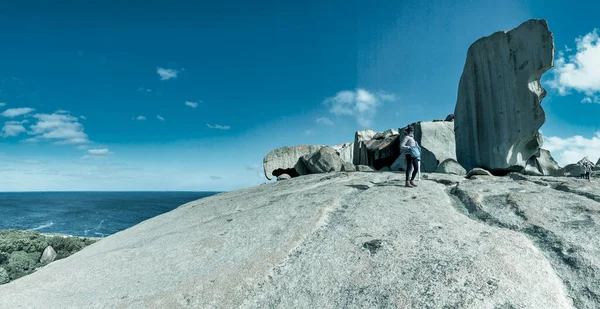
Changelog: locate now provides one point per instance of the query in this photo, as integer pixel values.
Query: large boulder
(287, 160)
(355, 240)
(451, 166)
(348, 167)
(360, 153)
(573, 170)
(325, 160)
(436, 139)
(498, 110)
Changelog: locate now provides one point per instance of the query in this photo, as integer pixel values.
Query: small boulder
(348, 167)
(478, 171)
(364, 168)
(451, 166)
(48, 256)
(325, 160)
(283, 177)
(384, 169)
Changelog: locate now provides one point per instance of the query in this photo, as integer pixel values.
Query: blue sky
(190, 95)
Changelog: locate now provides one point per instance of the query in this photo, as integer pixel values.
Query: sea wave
(43, 226)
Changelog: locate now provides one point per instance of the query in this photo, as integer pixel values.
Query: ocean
(90, 214)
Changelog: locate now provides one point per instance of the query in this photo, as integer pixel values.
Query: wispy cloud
(99, 151)
(142, 89)
(141, 117)
(572, 149)
(13, 128)
(166, 74)
(325, 121)
(360, 104)
(580, 71)
(61, 128)
(191, 104)
(14, 112)
(218, 126)
(2, 104)
(82, 117)
(309, 132)
(61, 111)
(159, 117)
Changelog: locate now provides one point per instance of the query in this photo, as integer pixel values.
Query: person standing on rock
(411, 150)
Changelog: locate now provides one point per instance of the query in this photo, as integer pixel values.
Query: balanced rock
(287, 160)
(48, 256)
(478, 171)
(451, 166)
(498, 110)
(325, 160)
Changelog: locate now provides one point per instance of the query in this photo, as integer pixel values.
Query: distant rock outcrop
(346, 151)
(436, 139)
(498, 110)
(543, 164)
(373, 152)
(287, 160)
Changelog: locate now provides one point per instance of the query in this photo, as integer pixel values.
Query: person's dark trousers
(411, 161)
(587, 175)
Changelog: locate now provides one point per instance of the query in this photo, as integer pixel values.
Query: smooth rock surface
(346, 151)
(344, 240)
(478, 171)
(364, 168)
(451, 166)
(287, 160)
(564, 226)
(498, 110)
(325, 160)
(48, 256)
(543, 164)
(283, 177)
(437, 144)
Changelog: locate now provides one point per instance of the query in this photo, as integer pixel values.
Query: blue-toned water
(92, 214)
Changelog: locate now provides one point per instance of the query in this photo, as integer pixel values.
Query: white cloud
(218, 126)
(82, 117)
(191, 104)
(63, 129)
(99, 151)
(13, 128)
(142, 89)
(61, 111)
(361, 104)
(580, 71)
(325, 121)
(2, 104)
(14, 112)
(166, 74)
(159, 117)
(141, 117)
(572, 149)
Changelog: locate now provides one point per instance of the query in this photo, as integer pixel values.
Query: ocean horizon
(87, 213)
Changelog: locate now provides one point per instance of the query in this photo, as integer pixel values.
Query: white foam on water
(43, 226)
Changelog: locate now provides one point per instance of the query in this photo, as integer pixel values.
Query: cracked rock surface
(343, 240)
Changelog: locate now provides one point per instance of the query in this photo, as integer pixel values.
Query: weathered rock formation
(346, 151)
(283, 177)
(345, 240)
(287, 160)
(325, 160)
(348, 167)
(478, 171)
(543, 164)
(498, 110)
(376, 153)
